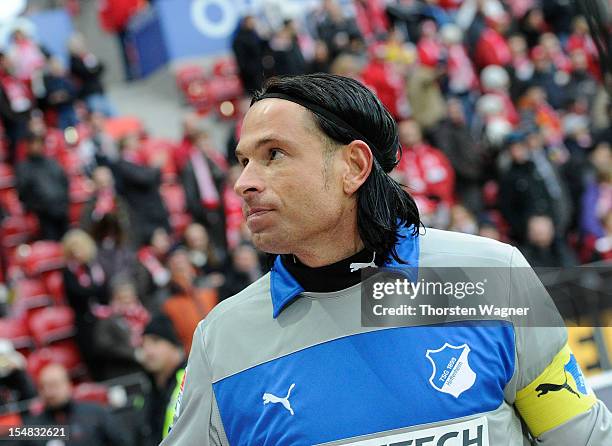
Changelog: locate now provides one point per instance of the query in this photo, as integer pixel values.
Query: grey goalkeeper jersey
(274, 365)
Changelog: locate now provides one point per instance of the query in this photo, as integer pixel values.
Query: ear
(359, 159)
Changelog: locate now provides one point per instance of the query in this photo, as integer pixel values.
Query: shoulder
(449, 248)
(255, 294)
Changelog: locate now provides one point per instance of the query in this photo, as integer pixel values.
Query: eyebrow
(263, 141)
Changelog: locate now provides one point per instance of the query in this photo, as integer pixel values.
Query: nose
(249, 181)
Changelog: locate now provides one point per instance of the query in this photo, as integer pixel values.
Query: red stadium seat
(225, 67)
(52, 324)
(18, 229)
(187, 74)
(40, 257)
(31, 294)
(91, 392)
(66, 354)
(174, 197)
(16, 330)
(120, 127)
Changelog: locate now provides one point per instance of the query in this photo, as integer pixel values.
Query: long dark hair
(382, 205)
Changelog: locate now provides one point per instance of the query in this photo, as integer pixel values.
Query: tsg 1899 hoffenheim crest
(451, 370)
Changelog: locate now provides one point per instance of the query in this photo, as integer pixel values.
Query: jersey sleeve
(196, 416)
(548, 387)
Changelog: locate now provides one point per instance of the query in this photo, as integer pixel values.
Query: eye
(275, 154)
(243, 162)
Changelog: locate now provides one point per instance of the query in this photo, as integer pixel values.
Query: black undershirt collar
(328, 278)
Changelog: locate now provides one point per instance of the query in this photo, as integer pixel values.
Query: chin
(269, 243)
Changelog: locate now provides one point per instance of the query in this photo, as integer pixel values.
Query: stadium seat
(40, 257)
(91, 392)
(187, 74)
(52, 324)
(225, 67)
(17, 229)
(31, 294)
(16, 330)
(66, 354)
(120, 127)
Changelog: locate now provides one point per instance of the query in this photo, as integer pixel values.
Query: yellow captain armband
(557, 395)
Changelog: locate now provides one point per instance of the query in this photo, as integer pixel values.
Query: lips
(256, 211)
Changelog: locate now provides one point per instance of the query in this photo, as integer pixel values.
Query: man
(522, 191)
(287, 360)
(163, 359)
(139, 185)
(88, 424)
(43, 189)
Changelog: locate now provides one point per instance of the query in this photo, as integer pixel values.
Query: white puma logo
(269, 398)
(356, 266)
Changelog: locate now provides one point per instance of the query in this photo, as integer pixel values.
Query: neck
(337, 243)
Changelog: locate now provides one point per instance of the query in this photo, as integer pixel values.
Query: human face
(156, 352)
(293, 195)
(54, 386)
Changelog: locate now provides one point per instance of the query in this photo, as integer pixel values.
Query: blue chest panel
(368, 383)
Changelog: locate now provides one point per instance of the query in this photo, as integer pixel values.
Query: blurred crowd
(505, 128)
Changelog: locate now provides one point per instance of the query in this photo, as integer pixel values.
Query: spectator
(114, 16)
(597, 196)
(191, 129)
(244, 270)
(553, 181)
(427, 173)
(97, 148)
(522, 192)
(489, 230)
(15, 106)
(164, 359)
(546, 77)
(90, 424)
(15, 383)
(321, 61)
(152, 259)
(371, 18)
(335, 29)
(543, 248)
(58, 94)
(286, 52)
(425, 96)
(140, 188)
(118, 331)
(106, 218)
(54, 140)
(85, 285)
(533, 25)
(462, 220)
(582, 84)
(249, 50)
(203, 254)
(492, 47)
(43, 189)
(202, 179)
(465, 154)
(386, 82)
(26, 56)
(187, 305)
(87, 71)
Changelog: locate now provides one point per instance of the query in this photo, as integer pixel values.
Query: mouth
(256, 212)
